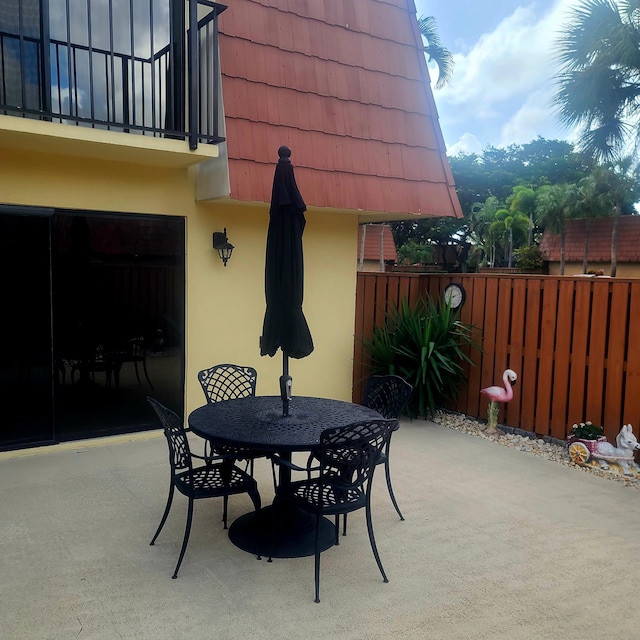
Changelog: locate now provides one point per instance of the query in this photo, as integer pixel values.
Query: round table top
(257, 421)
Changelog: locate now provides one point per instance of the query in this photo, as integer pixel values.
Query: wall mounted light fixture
(222, 245)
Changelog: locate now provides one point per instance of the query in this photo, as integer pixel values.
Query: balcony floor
(32, 135)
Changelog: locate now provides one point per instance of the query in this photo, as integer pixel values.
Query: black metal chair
(228, 382)
(387, 395)
(348, 457)
(218, 477)
(133, 350)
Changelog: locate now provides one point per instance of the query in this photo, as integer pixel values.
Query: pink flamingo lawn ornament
(498, 394)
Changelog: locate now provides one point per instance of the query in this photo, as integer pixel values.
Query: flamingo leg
(492, 418)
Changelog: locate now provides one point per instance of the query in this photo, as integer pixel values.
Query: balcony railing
(139, 66)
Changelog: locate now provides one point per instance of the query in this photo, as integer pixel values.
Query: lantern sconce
(222, 245)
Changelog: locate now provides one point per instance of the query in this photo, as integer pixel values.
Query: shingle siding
(345, 85)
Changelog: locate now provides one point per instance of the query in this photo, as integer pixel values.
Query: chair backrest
(174, 431)
(227, 382)
(137, 348)
(348, 455)
(387, 395)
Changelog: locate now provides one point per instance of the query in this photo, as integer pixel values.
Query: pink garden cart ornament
(603, 454)
(497, 395)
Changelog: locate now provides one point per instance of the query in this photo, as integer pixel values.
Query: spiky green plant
(424, 344)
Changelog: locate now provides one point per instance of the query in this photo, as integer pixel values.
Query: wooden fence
(574, 342)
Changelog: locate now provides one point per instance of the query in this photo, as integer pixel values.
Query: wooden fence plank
(530, 359)
(597, 344)
(631, 399)
(467, 318)
(545, 356)
(360, 330)
(579, 342)
(503, 321)
(564, 325)
(489, 375)
(414, 289)
(477, 319)
(404, 286)
(617, 339)
(516, 344)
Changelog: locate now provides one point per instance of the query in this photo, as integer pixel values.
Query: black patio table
(278, 530)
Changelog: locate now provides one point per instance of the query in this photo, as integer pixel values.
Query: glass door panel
(118, 309)
(25, 327)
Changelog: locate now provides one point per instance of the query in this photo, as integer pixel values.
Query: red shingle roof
(377, 238)
(599, 240)
(345, 85)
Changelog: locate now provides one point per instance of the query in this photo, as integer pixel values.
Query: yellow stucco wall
(225, 306)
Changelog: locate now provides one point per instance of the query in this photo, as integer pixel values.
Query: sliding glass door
(92, 323)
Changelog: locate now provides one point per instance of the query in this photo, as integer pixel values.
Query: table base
(274, 532)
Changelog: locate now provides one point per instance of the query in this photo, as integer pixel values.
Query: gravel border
(547, 447)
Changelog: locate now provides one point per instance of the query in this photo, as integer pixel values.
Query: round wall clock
(454, 295)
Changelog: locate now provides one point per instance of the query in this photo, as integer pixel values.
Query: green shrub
(528, 257)
(424, 344)
(412, 252)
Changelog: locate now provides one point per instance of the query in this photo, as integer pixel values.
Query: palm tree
(599, 80)
(554, 206)
(512, 228)
(480, 233)
(523, 200)
(591, 201)
(620, 181)
(434, 49)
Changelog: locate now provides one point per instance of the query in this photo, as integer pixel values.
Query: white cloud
(467, 143)
(502, 64)
(529, 121)
(502, 88)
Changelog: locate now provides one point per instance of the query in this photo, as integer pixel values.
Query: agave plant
(424, 344)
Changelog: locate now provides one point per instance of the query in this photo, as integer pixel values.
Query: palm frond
(435, 50)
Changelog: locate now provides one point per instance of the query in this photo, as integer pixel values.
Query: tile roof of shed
(377, 238)
(345, 85)
(599, 240)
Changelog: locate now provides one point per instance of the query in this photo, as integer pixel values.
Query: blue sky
(502, 83)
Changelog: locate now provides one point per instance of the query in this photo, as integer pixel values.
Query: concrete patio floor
(496, 544)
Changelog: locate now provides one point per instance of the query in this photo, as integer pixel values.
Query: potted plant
(583, 440)
(587, 433)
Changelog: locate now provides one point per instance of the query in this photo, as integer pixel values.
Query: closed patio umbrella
(285, 326)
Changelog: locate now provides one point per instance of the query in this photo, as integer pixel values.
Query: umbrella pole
(285, 384)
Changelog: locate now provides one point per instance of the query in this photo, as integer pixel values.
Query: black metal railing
(140, 66)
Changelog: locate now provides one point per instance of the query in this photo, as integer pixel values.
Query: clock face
(454, 295)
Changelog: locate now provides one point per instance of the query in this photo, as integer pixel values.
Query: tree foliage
(436, 51)
(510, 196)
(599, 78)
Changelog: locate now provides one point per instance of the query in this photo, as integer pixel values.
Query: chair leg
(344, 524)
(338, 527)
(255, 498)
(146, 375)
(317, 559)
(372, 540)
(135, 364)
(165, 514)
(225, 503)
(187, 531)
(387, 474)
